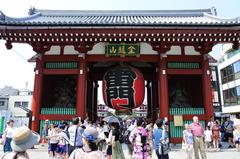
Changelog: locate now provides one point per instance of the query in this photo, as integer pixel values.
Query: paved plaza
(41, 153)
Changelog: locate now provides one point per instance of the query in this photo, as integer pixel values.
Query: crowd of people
(82, 139)
(196, 139)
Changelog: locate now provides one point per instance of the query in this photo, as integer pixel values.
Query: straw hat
(23, 139)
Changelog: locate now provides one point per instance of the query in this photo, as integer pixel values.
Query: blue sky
(16, 71)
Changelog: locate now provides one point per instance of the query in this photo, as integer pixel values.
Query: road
(41, 153)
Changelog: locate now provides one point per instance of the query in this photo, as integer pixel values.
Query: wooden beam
(184, 71)
(103, 58)
(60, 71)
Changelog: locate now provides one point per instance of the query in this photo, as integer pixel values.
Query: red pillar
(155, 101)
(163, 88)
(207, 89)
(90, 98)
(37, 95)
(81, 89)
(149, 100)
(95, 100)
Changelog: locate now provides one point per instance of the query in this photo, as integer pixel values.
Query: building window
(227, 74)
(2, 103)
(231, 72)
(23, 104)
(231, 96)
(236, 67)
(17, 104)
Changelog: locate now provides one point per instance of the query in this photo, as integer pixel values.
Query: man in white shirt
(75, 135)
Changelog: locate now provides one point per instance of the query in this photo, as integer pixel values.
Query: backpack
(121, 138)
(164, 146)
(229, 127)
(67, 133)
(126, 137)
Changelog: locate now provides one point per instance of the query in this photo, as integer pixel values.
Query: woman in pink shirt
(215, 134)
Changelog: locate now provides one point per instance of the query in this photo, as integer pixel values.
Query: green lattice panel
(183, 65)
(68, 111)
(177, 131)
(61, 65)
(194, 111)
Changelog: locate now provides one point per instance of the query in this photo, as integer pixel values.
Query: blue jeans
(7, 145)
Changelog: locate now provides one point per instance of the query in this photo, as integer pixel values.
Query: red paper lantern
(123, 88)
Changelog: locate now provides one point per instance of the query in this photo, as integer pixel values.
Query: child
(208, 137)
(236, 138)
(188, 139)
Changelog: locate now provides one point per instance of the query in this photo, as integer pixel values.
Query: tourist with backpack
(161, 140)
(117, 151)
(130, 126)
(139, 137)
(75, 135)
(228, 125)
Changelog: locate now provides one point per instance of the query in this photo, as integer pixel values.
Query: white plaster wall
(69, 50)
(98, 48)
(146, 49)
(190, 50)
(175, 50)
(54, 50)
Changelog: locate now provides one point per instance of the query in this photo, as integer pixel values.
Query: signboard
(178, 120)
(122, 49)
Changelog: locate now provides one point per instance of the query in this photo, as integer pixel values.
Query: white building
(213, 63)
(5, 114)
(24, 99)
(229, 72)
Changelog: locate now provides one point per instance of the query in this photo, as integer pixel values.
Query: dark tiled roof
(201, 17)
